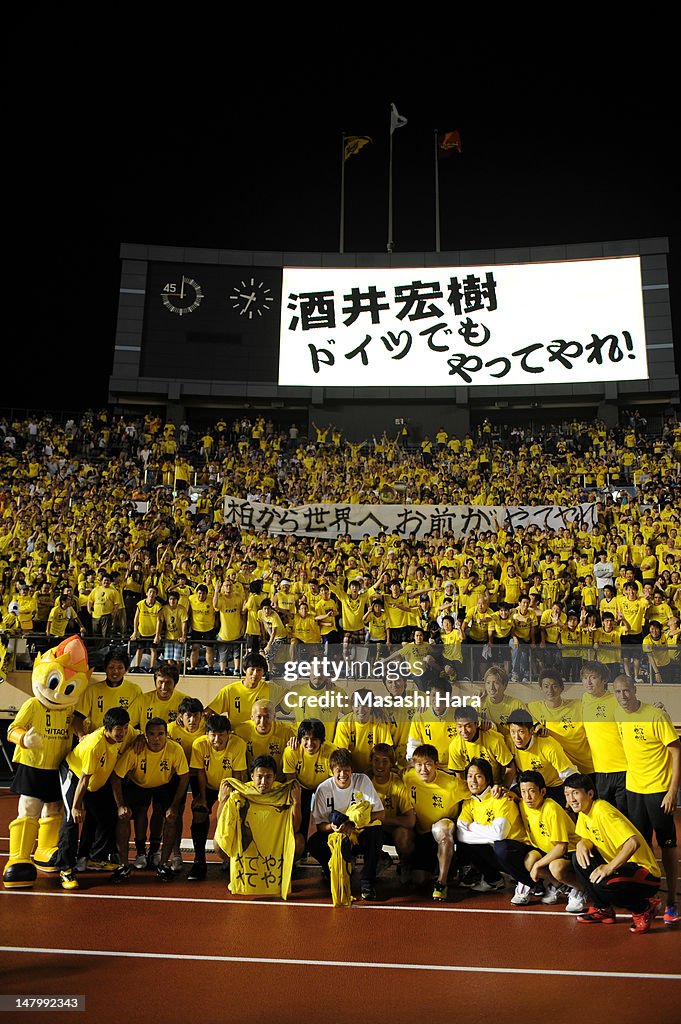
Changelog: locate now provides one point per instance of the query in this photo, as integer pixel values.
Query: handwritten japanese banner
(326, 520)
(535, 323)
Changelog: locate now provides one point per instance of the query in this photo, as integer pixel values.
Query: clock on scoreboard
(207, 321)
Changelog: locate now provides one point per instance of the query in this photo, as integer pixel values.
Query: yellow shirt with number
(602, 731)
(489, 745)
(150, 769)
(218, 764)
(435, 800)
(565, 724)
(99, 698)
(309, 769)
(54, 726)
(484, 809)
(272, 743)
(359, 738)
(96, 757)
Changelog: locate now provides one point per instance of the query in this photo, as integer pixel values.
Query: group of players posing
(464, 797)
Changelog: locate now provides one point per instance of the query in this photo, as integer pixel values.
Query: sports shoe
(368, 892)
(100, 865)
(140, 862)
(576, 903)
(522, 895)
(440, 891)
(597, 915)
(551, 895)
(122, 872)
(483, 886)
(469, 876)
(176, 863)
(165, 873)
(641, 923)
(538, 890)
(671, 914)
(81, 864)
(197, 872)
(154, 859)
(68, 880)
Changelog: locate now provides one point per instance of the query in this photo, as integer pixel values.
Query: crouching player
(612, 860)
(436, 798)
(491, 836)
(552, 832)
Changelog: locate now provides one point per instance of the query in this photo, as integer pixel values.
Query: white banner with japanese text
(333, 520)
(535, 323)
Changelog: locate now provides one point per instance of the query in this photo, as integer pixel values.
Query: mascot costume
(43, 737)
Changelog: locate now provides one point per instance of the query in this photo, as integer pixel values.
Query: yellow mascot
(43, 737)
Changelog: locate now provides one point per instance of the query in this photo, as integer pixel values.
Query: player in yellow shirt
(551, 831)
(155, 771)
(653, 752)
(472, 742)
(236, 699)
(171, 626)
(599, 714)
(435, 725)
(89, 801)
(360, 730)
(491, 836)
(114, 691)
(631, 612)
(436, 798)
(497, 704)
(612, 860)
(216, 756)
(202, 619)
(305, 631)
(306, 759)
(144, 629)
(656, 647)
(539, 754)
(562, 719)
(264, 734)
(228, 603)
(105, 605)
(400, 817)
(161, 702)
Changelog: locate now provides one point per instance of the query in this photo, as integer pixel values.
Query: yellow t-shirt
(484, 809)
(309, 769)
(231, 617)
(55, 728)
(359, 738)
(489, 745)
(548, 825)
(395, 796)
(149, 705)
(202, 614)
(646, 734)
(218, 764)
(498, 714)
(608, 829)
(273, 743)
(236, 700)
(545, 755)
(439, 732)
(96, 757)
(435, 800)
(602, 732)
(185, 738)
(565, 724)
(148, 618)
(150, 769)
(99, 698)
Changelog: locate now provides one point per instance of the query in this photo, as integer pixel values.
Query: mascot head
(61, 674)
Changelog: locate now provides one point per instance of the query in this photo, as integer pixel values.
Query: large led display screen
(539, 323)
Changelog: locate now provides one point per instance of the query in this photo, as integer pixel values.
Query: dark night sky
(197, 130)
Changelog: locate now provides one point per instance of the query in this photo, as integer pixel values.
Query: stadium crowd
(115, 529)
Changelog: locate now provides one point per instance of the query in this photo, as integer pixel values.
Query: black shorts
(139, 798)
(203, 638)
(644, 811)
(631, 639)
(424, 857)
(41, 783)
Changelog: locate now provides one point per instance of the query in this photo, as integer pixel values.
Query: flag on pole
(448, 143)
(353, 144)
(396, 120)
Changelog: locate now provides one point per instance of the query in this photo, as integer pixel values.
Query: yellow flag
(353, 144)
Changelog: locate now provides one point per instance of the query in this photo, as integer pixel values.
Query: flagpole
(437, 198)
(341, 245)
(391, 242)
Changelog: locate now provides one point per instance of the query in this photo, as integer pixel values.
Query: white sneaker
(140, 862)
(551, 895)
(522, 895)
(483, 886)
(176, 863)
(576, 903)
